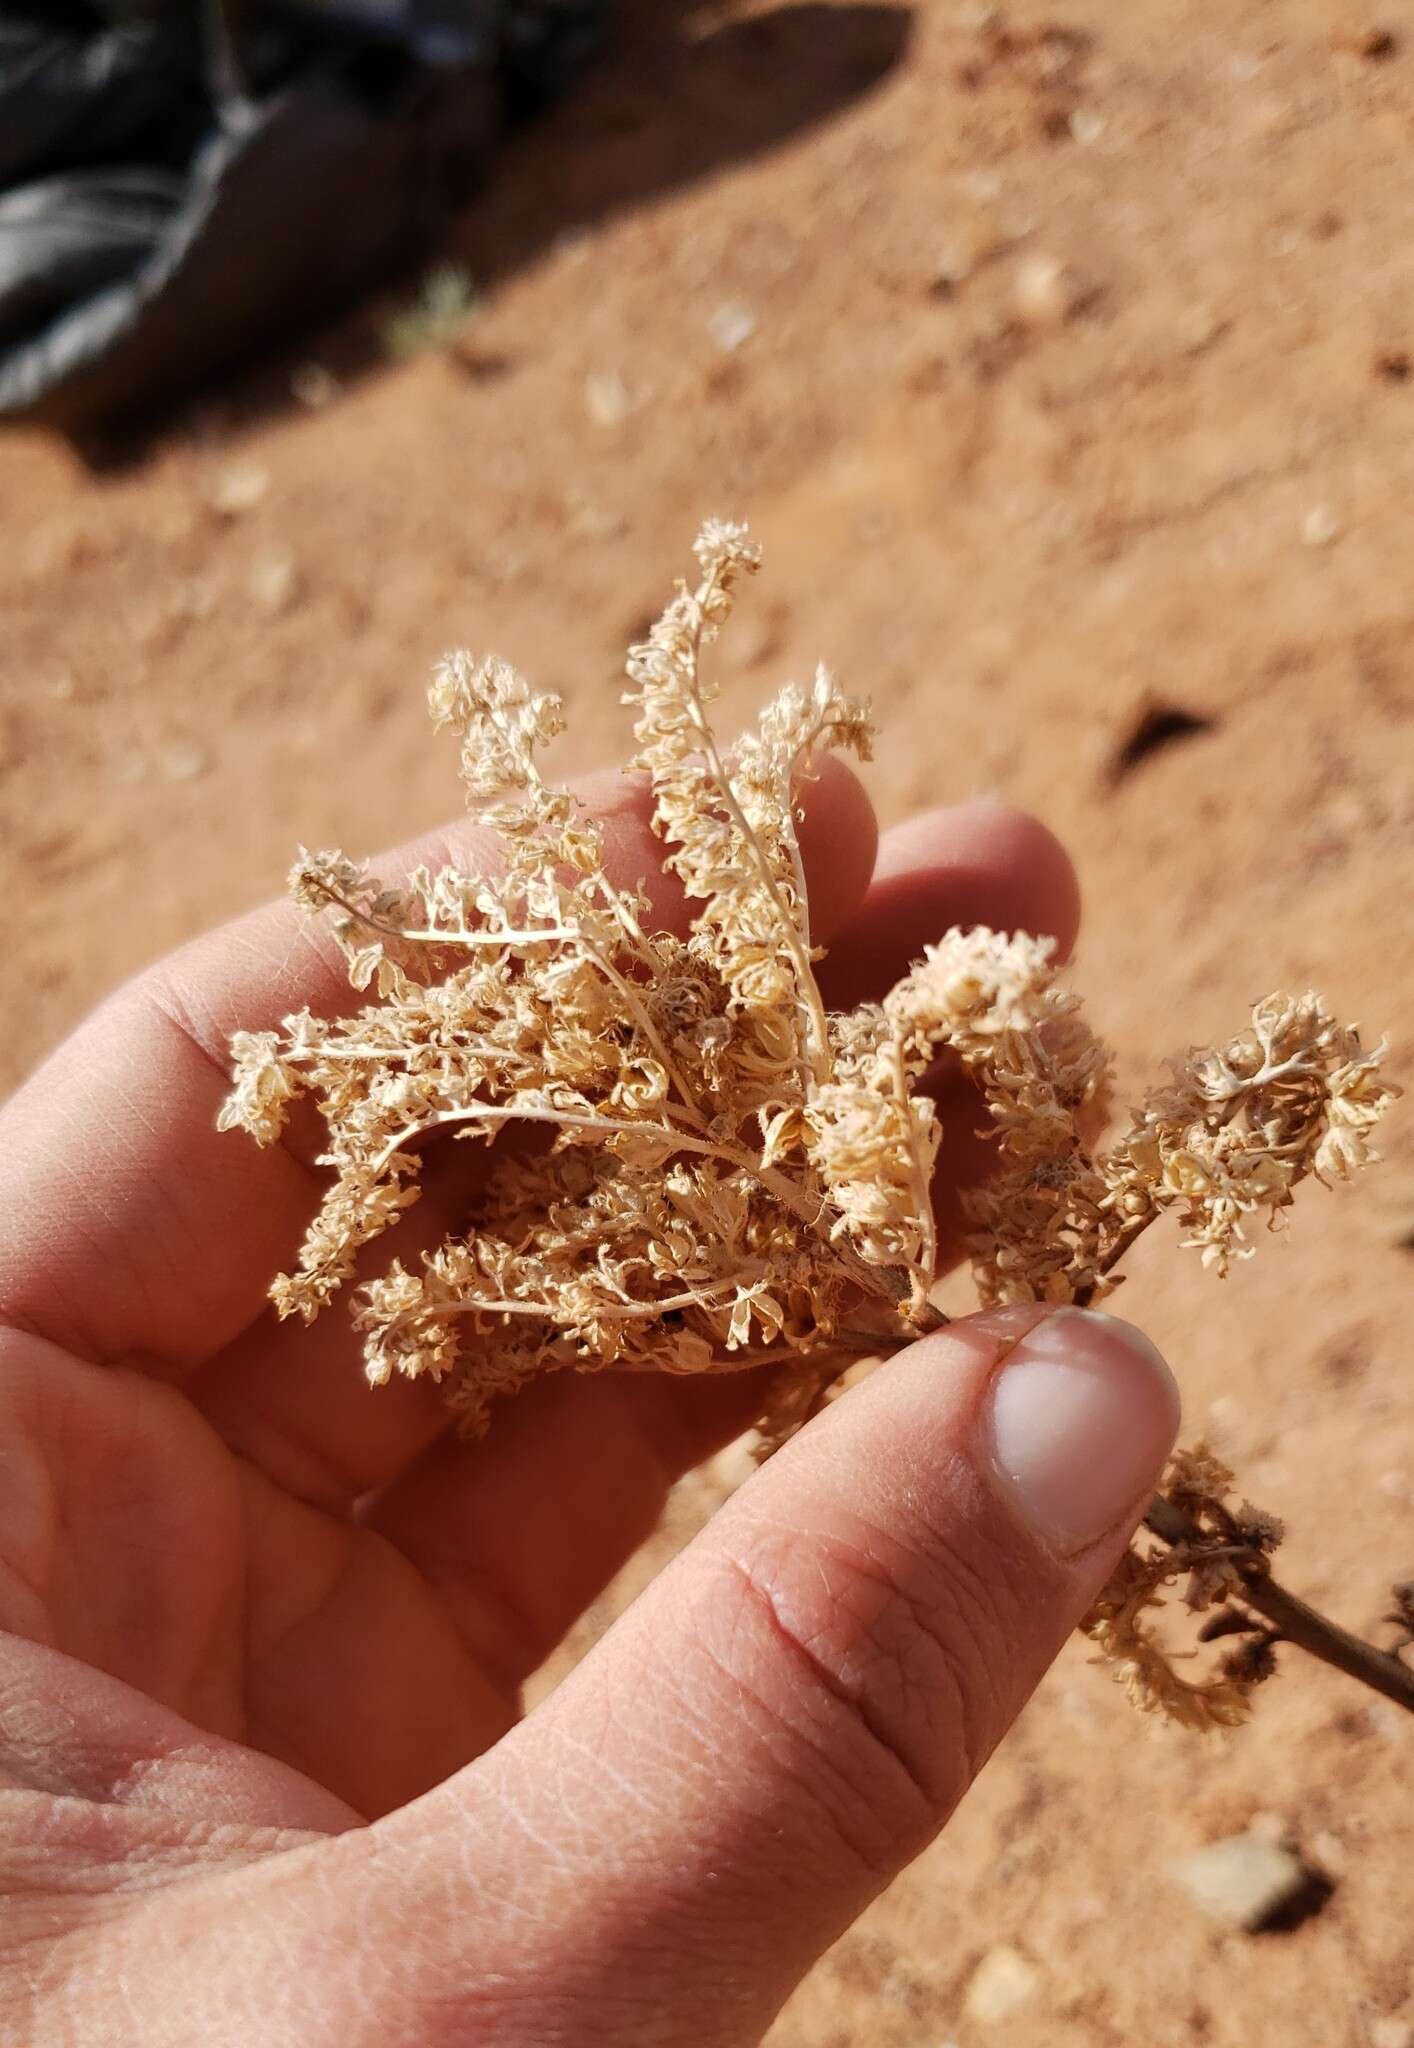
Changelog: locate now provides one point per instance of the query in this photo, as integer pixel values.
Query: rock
(313, 387)
(273, 583)
(1005, 1982)
(1320, 527)
(1391, 2032)
(1047, 293)
(238, 489)
(606, 398)
(731, 324)
(184, 762)
(1242, 1881)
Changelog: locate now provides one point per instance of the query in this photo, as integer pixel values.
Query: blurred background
(1063, 362)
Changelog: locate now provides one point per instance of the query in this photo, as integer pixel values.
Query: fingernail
(1082, 1416)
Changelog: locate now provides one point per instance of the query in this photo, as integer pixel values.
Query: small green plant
(437, 318)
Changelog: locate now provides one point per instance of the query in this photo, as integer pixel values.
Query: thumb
(793, 1709)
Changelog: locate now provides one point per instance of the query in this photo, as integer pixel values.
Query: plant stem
(1293, 1619)
(1131, 1233)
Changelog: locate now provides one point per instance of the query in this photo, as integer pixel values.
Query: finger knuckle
(882, 1661)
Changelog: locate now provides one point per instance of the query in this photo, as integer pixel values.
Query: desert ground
(1063, 362)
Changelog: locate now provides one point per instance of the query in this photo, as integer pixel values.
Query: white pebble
(1046, 291)
(273, 583)
(732, 324)
(238, 489)
(606, 398)
(313, 387)
(1320, 527)
(1004, 1983)
(1242, 1881)
(184, 762)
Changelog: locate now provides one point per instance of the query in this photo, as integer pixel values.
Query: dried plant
(729, 1172)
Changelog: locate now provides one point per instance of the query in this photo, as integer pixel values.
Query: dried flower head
(1215, 1548)
(727, 1172)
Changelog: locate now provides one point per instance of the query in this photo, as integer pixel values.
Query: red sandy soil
(1073, 379)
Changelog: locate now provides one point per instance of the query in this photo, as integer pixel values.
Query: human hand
(262, 1778)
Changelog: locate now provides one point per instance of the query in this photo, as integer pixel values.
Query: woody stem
(1293, 1619)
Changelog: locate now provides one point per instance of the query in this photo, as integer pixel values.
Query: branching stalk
(1294, 1619)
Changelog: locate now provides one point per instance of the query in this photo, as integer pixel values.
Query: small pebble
(273, 584)
(1320, 527)
(588, 518)
(606, 398)
(1391, 2032)
(184, 762)
(984, 185)
(1045, 291)
(1386, 1720)
(732, 324)
(953, 266)
(1004, 1983)
(237, 490)
(313, 387)
(1086, 127)
(1242, 1881)
(1197, 327)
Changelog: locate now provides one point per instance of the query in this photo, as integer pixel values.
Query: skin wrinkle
(165, 1004)
(599, 1756)
(294, 1460)
(904, 1628)
(693, 1768)
(503, 1623)
(37, 1515)
(668, 1769)
(644, 1929)
(879, 1745)
(920, 1538)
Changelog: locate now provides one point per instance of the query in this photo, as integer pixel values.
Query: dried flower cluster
(1197, 1485)
(725, 1170)
(1225, 1141)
